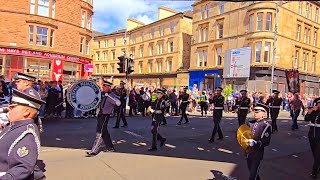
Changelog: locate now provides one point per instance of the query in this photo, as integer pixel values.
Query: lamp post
(274, 46)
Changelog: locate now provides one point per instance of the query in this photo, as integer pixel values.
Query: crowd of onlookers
(140, 99)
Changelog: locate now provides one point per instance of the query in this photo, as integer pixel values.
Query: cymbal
(244, 133)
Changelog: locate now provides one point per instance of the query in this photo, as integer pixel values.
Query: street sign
(237, 63)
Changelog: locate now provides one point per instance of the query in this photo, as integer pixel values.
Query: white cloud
(144, 18)
(111, 15)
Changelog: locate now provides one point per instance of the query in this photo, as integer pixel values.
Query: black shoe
(152, 149)
(109, 150)
(162, 142)
(124, 126)
(179, 123)
(313, 175)
(116, 127)
(211, 140)
(91, 154)
(220, 138)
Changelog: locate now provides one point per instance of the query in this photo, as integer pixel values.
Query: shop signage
(57, 70)
(40, 54)
(89, 68)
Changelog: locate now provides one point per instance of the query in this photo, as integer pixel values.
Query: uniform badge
(266, 134)
(31, 92)
(22, 152)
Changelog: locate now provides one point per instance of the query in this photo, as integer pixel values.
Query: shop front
(44, 66)
(205, 80)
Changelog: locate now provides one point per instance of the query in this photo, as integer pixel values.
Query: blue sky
(111, 15)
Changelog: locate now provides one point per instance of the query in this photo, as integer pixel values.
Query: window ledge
(45, 23)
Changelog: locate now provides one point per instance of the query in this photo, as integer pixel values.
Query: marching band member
(160, 107)
(218, 103)
(184, 97)
(123, 96)
(242, 107)
(313, 117)
(20, 143)
(106, 107)
(274, 104)
(261, 130)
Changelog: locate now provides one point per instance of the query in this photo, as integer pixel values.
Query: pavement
(187, 155)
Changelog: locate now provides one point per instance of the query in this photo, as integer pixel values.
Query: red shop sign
(40, 54)
(57, 70)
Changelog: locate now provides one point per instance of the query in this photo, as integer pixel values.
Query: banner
(57, 70)
(293, 81)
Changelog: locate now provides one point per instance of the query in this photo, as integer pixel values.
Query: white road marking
(170, 146)
(225, 150)
(274, 150)
(133, 134)
(136, 144)
(143, 144)
(58, 139)
(295, 156)
(200, 149)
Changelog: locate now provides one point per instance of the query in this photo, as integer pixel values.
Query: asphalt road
(187, 154)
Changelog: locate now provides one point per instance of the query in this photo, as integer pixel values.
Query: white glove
(152, 110)
(252, 142)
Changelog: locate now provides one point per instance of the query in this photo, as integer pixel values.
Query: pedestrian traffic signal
(130, 66)
(121, 64)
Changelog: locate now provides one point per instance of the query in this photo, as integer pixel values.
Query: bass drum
(84, 95)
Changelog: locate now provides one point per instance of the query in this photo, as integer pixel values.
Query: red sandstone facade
(49, 39)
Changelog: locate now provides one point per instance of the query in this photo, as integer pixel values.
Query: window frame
(172, 27)
(315, 38)
(81, 45)
(43, 36)
(32, 6)
(47, 8)
(87, 47)
(221, 7)
(200, 58)
(268, 52)
(296, 59)
(220, 30)
(218, 56)
(269, 21)
(31, 34)
(251, 23)
(51, 38)
(317, 14)
(298, 32)
(83, 18)
(88, 26)
(255, 51)
(259, 21)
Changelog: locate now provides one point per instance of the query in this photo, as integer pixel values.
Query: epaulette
(30, 130)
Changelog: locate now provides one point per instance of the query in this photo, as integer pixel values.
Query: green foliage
(227, 91)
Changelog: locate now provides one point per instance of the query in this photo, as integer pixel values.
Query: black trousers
(204, 107)
(274, 112)
(102, 128)
(253, 164)
(155, 132)
(217, 115)
(184, 114)
(242, 116)
(121, 117)
(315, 147)
(174, 108)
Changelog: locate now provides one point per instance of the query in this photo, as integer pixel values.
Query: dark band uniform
(243, 106)
(184, 104)
(261, 135)
(314, 137)
(123, 96)
(20, 143)
(165, 97)
(160, 107)
(274, 104)
(106, 107)
(218, 102)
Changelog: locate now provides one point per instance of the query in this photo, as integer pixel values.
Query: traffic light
(121, 64)
(130, 66)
